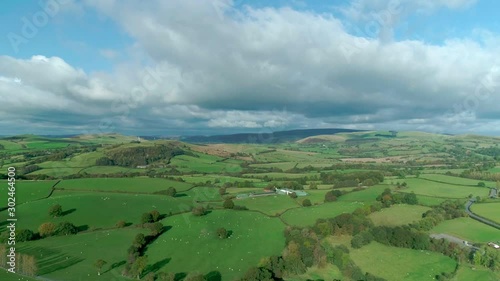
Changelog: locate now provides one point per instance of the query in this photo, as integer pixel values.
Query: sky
(205, 67)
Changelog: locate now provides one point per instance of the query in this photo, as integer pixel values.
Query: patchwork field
(307, 216)
(192, 242)
(488, 210)
(143, 185)
(437, 189)
(468, 229)
(398, 215)
(405, 264)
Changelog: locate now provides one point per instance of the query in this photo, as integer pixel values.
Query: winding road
(477, 217)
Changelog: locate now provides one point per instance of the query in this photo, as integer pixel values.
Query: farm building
(496, 246)
(289, 191)
(493, 193)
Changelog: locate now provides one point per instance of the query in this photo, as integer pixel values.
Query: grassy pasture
(81, 207)
(437, 189)
(329, 272)
(456, 180)
(10, 145)
(28, 190)
(277, 175)
(429, 200)
(270, 205)
(78, 161)
(205, 164)
(366, 195)
(488, 210)
(57, 172)
(148, 185)
(467, 273)
(397, 264)
(72, 258)
(104, 170)
(398, 215)
(306, 216)
(191, 243)
(468, 229)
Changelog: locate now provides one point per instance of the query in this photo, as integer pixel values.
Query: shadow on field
(82, 227)
(156, 266)
(115, 265)
(213, 276)
(180, 195)
(180, 276)
(67, 212)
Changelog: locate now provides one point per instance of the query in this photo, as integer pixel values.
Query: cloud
(255, 68)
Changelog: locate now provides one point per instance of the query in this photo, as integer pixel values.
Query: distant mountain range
(274, 137)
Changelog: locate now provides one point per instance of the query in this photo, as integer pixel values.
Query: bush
(199, 211)
(121, 224)
(66, 228)
(306, 203)
(222, 233)
(55, 211)
(330, 197)
(228, 204)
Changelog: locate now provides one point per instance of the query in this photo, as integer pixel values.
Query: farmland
(106, 185)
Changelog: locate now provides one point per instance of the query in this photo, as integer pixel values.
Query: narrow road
(454, 239)
(477, 217)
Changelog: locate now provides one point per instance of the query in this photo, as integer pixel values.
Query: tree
(155, 215)
(171, 191)
(313, 185)
(222, 233)
(66, 228)
(199, 211)
(194, 277)
(156, 228)
(139, 240)
(46, 229)
(146, 218)
(164, 276)
(121, 224)
(293, 195)
(99, 264)
(330, 197)
(24, 235)
(306, 203)
(222, 191)
(228, 204)
(55, 211)
(139, 265)
(481, 184)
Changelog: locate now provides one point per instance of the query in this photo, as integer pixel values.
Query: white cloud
(242, 69)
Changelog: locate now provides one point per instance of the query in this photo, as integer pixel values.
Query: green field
(270, 205)
(192, 244)
(398, 215)
(27, 191)
(397, 264)
(468, 273)
(72, 258)
(329, 272)
(456, 180)
(468, 229)
(307, 216)
(367, 195)
(143, 185)
(488, 210)
(80, 207)
(436, 189)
